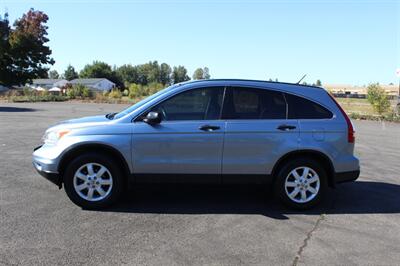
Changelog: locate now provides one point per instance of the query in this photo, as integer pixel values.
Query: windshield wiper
(111, 115)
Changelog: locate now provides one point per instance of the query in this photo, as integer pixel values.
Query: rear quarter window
(301, 108)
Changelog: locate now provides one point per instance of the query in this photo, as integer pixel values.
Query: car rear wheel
(301, 183)
(93, 181)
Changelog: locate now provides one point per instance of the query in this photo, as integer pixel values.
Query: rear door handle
(209, 128)
(286, 127)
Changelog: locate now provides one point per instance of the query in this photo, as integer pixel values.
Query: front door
(188, 141)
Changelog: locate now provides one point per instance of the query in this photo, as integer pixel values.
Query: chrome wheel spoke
(312, 190)
(90, 169)
(100, 191)
(313, 179)
(303, 195)
(306, 171)
(90, 193)
(105, 182)
(291, 184)
(101, 172)
(295, 174)
(81, 176)
(81, 186)
(294, 193)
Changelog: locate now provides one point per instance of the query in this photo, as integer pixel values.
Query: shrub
(154, 87)
(38, 98)
(79, 90)
(101, 97)
(125, 92)
(139, 91)
(136, 90)
(26, 91)
(378, 98)
(115, 94)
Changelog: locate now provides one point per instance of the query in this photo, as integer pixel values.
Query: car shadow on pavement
(361, 197)
(10, 109)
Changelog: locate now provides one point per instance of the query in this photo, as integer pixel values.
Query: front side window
(251, 103)
(195, 104)
(301, 108)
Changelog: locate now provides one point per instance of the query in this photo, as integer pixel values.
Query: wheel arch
(96, 148)
(316, 155)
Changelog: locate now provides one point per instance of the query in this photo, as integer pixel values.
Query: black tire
(280, 190)
(117, 181)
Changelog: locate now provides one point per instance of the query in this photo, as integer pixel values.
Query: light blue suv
(293, 137)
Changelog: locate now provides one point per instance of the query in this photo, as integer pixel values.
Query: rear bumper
(346, 176)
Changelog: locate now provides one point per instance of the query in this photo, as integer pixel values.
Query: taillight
(350, 129)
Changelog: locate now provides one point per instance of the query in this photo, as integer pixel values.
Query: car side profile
(293, 137)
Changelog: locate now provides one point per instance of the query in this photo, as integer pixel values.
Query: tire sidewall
(109, 163)
(280, 191)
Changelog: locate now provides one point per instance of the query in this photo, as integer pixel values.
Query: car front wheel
(93, 181)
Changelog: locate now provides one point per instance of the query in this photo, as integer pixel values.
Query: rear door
(257, 133)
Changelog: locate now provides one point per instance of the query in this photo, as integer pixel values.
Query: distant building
(3, 88)
(100, 84)
(351, 91)
(46, 84)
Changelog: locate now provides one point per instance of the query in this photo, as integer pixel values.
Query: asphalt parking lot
(359, 223)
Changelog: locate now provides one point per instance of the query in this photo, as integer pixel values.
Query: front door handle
(286, 127)
(209, 128)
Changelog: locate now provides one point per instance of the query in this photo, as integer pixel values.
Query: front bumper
(46, 167)
(52, 177)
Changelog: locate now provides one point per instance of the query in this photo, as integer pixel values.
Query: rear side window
(301, 108)
(252, 103)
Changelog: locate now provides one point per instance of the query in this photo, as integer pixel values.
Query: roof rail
(252, 80)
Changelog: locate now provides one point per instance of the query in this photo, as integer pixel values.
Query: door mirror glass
(152, 118)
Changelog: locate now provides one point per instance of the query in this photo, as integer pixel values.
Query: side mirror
(152, 118)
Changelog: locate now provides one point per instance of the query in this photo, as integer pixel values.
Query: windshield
(142, 102)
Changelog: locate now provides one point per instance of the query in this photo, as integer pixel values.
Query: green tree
(153, 75)
(198, 73)
(100, 69)
(179, 74)
(165, 74)
(53, 74)
(24, 55)
(5, 57)
(318, 83)
(127, 73)
(96, 70)
(143, 75)
(378, 98)
(149, 73)
(70, 73)
(201, 73)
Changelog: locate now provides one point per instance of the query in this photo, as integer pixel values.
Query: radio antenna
(298, 82)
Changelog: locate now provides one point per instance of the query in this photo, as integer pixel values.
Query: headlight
(51, 137)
